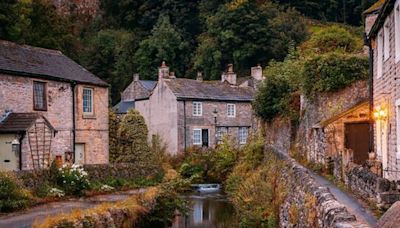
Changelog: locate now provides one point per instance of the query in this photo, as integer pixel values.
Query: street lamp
(215, 114)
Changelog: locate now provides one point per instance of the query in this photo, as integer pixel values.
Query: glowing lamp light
(380, 114)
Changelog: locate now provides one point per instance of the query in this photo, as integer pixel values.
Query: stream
(207, 210)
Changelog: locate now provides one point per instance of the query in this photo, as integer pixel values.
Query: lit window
(221, 132)
(386, 41)
(243, 133)
(197, 137)
(231, 110)
(39, 96)
(379, 52)
(197, 109)
(87, 101)
(397, 31)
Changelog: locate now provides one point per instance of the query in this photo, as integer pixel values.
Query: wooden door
(80, 153)
(204, 137)
(357, 139)
(8, 157)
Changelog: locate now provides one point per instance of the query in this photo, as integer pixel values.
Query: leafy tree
(164, 44)
(133, 145)
(110, 56)
(113, 126)
(247, 32)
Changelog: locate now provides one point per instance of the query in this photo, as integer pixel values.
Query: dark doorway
(204, 136)
(357, 139)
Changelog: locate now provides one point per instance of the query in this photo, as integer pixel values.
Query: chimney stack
(229, 76)
(199, 76)
(135, 77)
(172, 75)
(256, 72)
(163, 71)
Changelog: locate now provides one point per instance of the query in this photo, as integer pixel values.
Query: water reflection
(210, 210)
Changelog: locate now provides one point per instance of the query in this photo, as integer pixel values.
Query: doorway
(204, 136)
(80, 153)
(8, 157)
(357, 139)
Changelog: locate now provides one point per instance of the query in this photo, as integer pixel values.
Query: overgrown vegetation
(12, 195)
(328, 61)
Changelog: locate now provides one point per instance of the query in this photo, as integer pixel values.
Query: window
(379, 53)
(87, 101)
(231, 110)
(197, 109)
(386, 41)
(197, 137)
(39, 96)
(397, 31)
(243, 133)
(398, 128)
(221, 132)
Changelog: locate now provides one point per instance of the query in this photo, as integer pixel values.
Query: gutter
(371, 91)
(73, 85)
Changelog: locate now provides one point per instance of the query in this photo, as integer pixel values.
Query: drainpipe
(184, 124)
(20, 138)
(73, 85)
(371, 91)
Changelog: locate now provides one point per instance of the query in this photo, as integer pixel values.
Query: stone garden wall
(310, 205)
(369, 186)
(34, 179)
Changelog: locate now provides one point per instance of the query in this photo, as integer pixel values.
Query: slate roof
(19, 122)
(149, 85)
(31, 61)
(209, 90)
(385, 10)
(123, 106)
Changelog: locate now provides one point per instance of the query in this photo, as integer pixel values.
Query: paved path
(26, 218)
(362, 214)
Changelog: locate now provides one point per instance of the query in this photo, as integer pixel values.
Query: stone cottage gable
(24, 60)
(138, 89)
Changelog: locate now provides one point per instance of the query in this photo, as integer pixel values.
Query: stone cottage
(383, 35)
(51, 108)
(188, 112)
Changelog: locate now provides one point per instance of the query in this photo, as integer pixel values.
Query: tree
(133, 144)
(110, 56)
(164, 44)
(247, 32)
(113, 127)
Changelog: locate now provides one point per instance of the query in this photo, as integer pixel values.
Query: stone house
(188, 112)
(51, 108)
(383, 36)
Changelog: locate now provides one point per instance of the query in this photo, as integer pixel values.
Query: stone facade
(386, 96)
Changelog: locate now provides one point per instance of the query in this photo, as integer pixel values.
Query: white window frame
(397, 105)
(91, 101)
(386, 39)
(197, 109)
(397, 30)
(195, 142)
(231, 112)
(243, 138)
(379, 54)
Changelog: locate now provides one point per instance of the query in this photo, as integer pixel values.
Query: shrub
(114, 122)
(223, 159)
(73, 179)
(12, 195)
(332, 72)
(335, 37)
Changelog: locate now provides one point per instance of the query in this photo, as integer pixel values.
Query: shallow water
(207, 210)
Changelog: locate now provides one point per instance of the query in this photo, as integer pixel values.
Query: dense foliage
(328, 61)
(12, 196)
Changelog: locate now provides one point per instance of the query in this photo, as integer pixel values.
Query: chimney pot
(256, 72)
(135, 77)
(163, 71)
(199, 76)
(172, 75)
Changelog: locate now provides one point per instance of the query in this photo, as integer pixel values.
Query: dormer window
(39, 96)
(197, 109)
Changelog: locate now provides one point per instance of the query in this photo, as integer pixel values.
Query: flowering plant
(73, 179)
(55, 192)
(106, 188)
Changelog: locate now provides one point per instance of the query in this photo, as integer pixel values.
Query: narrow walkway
(26, 218)
(363, 215)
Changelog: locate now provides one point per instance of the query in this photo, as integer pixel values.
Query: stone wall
(278, 134)
(371, 187)
(309, 204)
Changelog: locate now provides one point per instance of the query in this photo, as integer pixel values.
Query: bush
(73, 180)
(223, 158)
(332, 72)
(12, 194)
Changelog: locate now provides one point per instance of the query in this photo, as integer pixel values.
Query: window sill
(88, 116)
